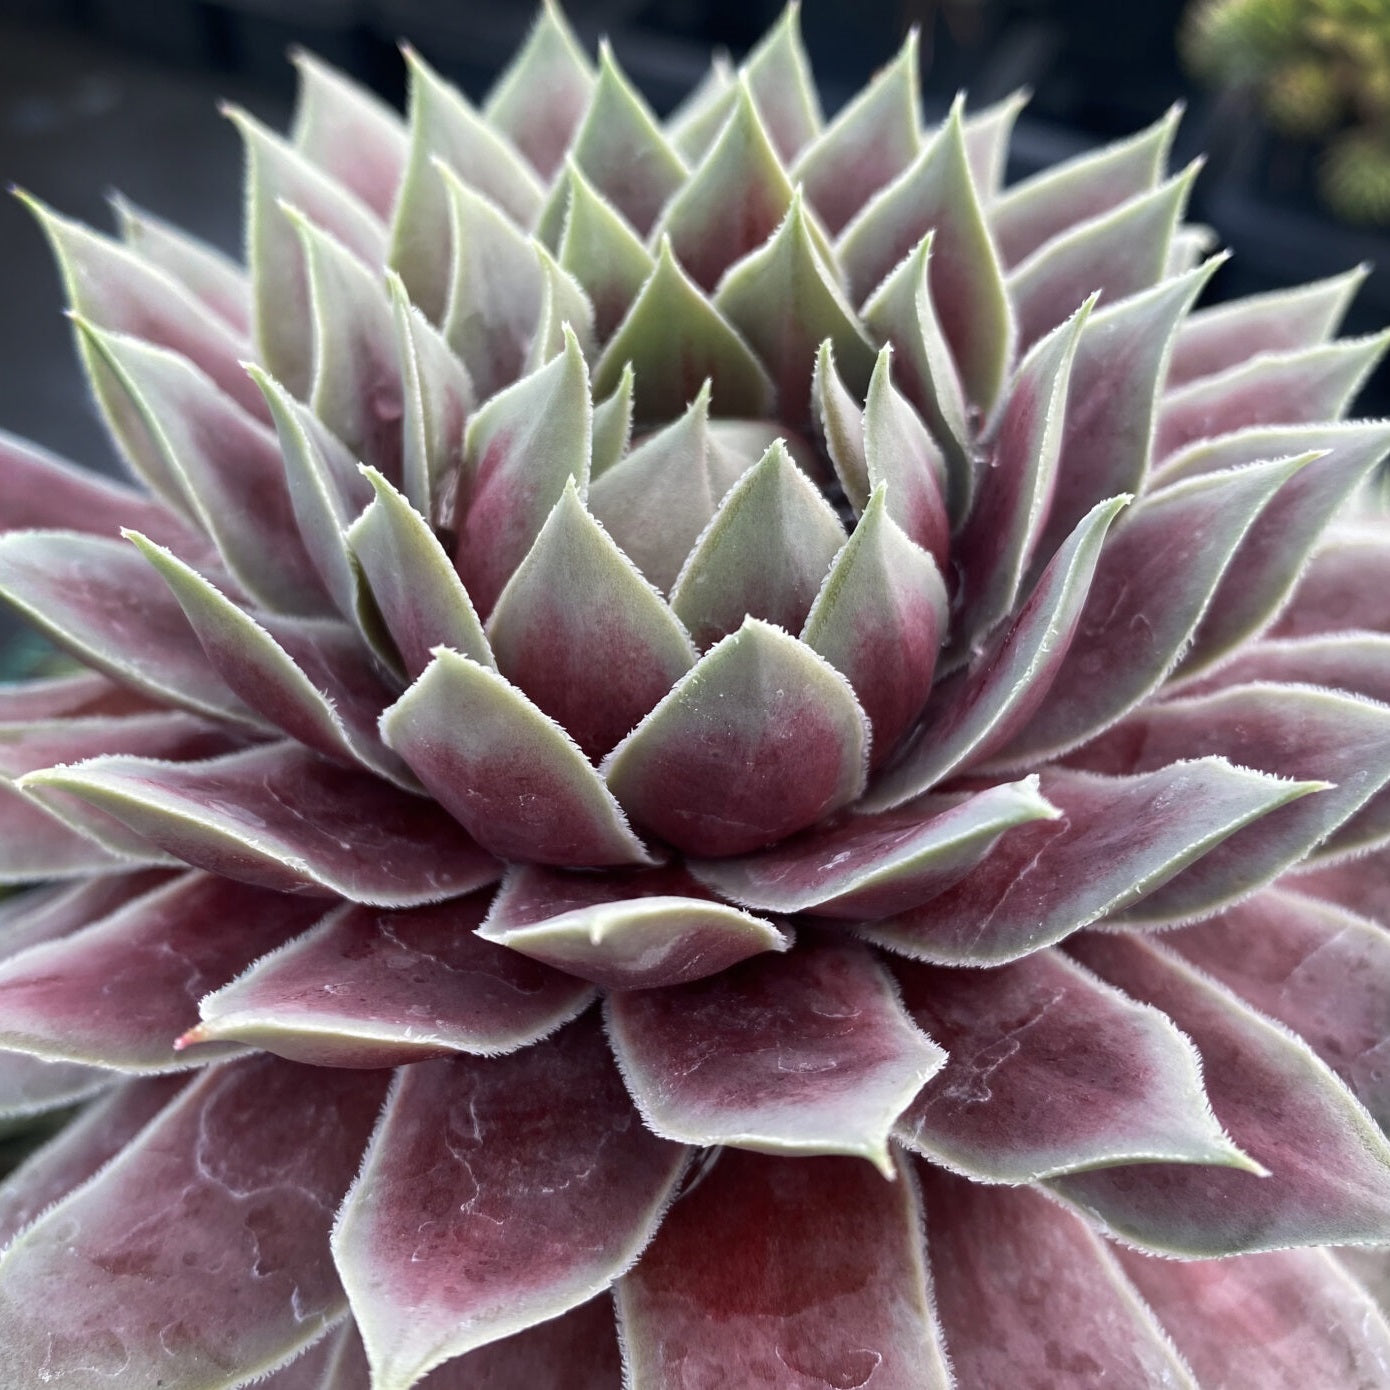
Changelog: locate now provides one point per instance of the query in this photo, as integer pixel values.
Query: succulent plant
(722, 718)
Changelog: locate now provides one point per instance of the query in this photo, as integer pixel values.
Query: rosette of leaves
(1321, 71)
(714, 752)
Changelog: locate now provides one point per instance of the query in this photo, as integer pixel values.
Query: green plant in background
(712, 754)
(1321, 71)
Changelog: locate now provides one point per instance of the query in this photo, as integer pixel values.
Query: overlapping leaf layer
(649, 696)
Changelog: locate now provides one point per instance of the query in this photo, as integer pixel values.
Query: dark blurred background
(97, 95)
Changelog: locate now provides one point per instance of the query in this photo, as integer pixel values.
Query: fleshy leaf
(868, 144)
(1285, 1320)
(987, 136)
(1156, 576)
(324, 487)
(367, 988)
(937, 194)
(30, 1087)
(276, 173)
(626, 930)
(1009, 514)
(1119, 253)
(763, 736)
(1118, 839)
(670, 306)
(613, 425)
(879, 619)
(900, 452)
(349, 133)
(444, 127)
(199, 1255)
(778, 73)
(507, 772)
(656, 503)
(476, 1215)
(521, 448)
(782, 297)
(901, 312)
(112, 287)
(1287, 731)
(580, 631)
(413, 587)
(565, 311)
(622, 150)
(1303, 387)
(98, 599)
(1328, 1166)
(1042, 207)
(227, 466)
(1114, 397)
(551, 63)
(792, 1271)
(765, 553)
(1050, 1071)
(212, 278)
(280, 817)
(1267, 564)
(979, 708)
(1055, 1294)
(870, 866)
(602, 252)
(840, 419)
(1344, 587)
(35, 843)
(118, 992)
(1225, 335)
(1318, 969)
(82, 1147)
(1360, 884)
(39, 490)
(733, 200)
(809, 1055)
(83, 692)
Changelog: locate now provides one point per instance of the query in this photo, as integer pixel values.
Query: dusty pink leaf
(1304, 386)
(987, 135)
(763, 737)
(1042, 207)
(52, 912)
(808, 1055)
(1050, 1071)
(505, 770)
(522, 448)
(879, 619)
(1155, 578)
(80, 1149)
(937, 194)
(35, 843)
(476, 1215)
(118, 992)
(29, 1086)
(1345, 586)
(1060, 1309)
(68, 696)
(200, 1255)
(1118, 839)
(1286, 1320)
(868, 144)
(1360, 884)
(212, 278)
(975, 711)
(1118, 252)
(281, 817)
(1007, 518)
(627, 929)
(778, 73)
(228, 466)
(98, 599)
(349, 133)
(370, 988)
(1225, 335)
(1328, 1166)
(860, 867)
(1288, 731)
(786, 1271)
(1318, 969)
(580, 631)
